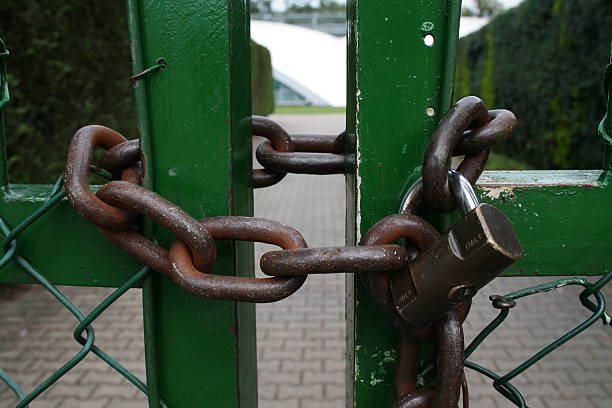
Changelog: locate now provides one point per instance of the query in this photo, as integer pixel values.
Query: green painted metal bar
(401, 88)
(82, 258)
(144, 127)
(607, 121)
(561, 217)
(200, 142)
(4, 99)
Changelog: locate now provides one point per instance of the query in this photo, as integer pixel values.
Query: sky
(279, 5)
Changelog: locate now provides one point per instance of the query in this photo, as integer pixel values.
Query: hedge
(262, 83)
(69, 67)
(544, 61)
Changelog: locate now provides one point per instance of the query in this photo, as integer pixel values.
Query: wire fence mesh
(84, 332)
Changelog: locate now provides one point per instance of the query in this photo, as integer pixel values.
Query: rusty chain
(468, 129)
(282, 153)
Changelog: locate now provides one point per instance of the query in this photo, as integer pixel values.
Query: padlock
(473, 252)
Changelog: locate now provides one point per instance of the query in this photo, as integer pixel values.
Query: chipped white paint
(495, 192)
(357, 153)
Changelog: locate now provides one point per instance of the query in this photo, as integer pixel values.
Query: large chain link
(468, 129)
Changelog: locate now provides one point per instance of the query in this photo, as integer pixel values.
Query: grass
(308, 109)
(500, 162)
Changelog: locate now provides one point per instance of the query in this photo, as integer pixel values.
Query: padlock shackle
(463, 192)
(461, 188)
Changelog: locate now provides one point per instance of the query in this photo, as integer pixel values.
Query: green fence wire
(84, 332)
(505, 303)
(4, 98)
(502, 382)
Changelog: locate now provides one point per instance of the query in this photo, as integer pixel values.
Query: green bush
(69, 67)
(544, 61)
(262, 83)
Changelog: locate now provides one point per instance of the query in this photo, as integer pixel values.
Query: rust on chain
(410, 205)
(318, 143)
(313, 154)
(120, 156)
(406, 365)
(384, 232)
(453, 137)
(501, 124)
(418, 399)
(141, 248)
(281, 142)
(238, 288)
(465, 394)
(348, 259)
(449, 369)
(76, 179)
(422, 236)
(168, 215)
(469, 112)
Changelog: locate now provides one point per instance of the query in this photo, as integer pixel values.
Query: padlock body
(473, 252)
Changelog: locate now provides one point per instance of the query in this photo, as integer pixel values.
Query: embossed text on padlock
(475, 250)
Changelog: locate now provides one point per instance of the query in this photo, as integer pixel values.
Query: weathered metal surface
(449, 367)
(450, 362)
(476, 249)
(313, 154)
(387, 230)
(300, 163)
(395, 82)
(198, 155)
(406, 365)
(280, 141)
(334, 260)
(76, 179)
(318, 143)
(166, 214)
(120, 156)
(557, 215)
(244, 289)
(469, 113)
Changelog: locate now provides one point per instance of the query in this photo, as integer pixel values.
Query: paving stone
(300, 391)
(301, 355)
(282, 403)
(327, 403)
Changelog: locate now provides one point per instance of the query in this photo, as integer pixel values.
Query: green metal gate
(194, 120)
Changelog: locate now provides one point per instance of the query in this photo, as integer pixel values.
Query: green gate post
(398, 89)
(194, 118)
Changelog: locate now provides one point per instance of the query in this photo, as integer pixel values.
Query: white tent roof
(470, 24)
(312, 59)
(313, 62)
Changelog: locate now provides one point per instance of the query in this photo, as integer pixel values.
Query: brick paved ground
(301, 339)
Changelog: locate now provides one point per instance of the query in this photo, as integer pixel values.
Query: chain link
(282, 153)
(468, 129)
(313, 154)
